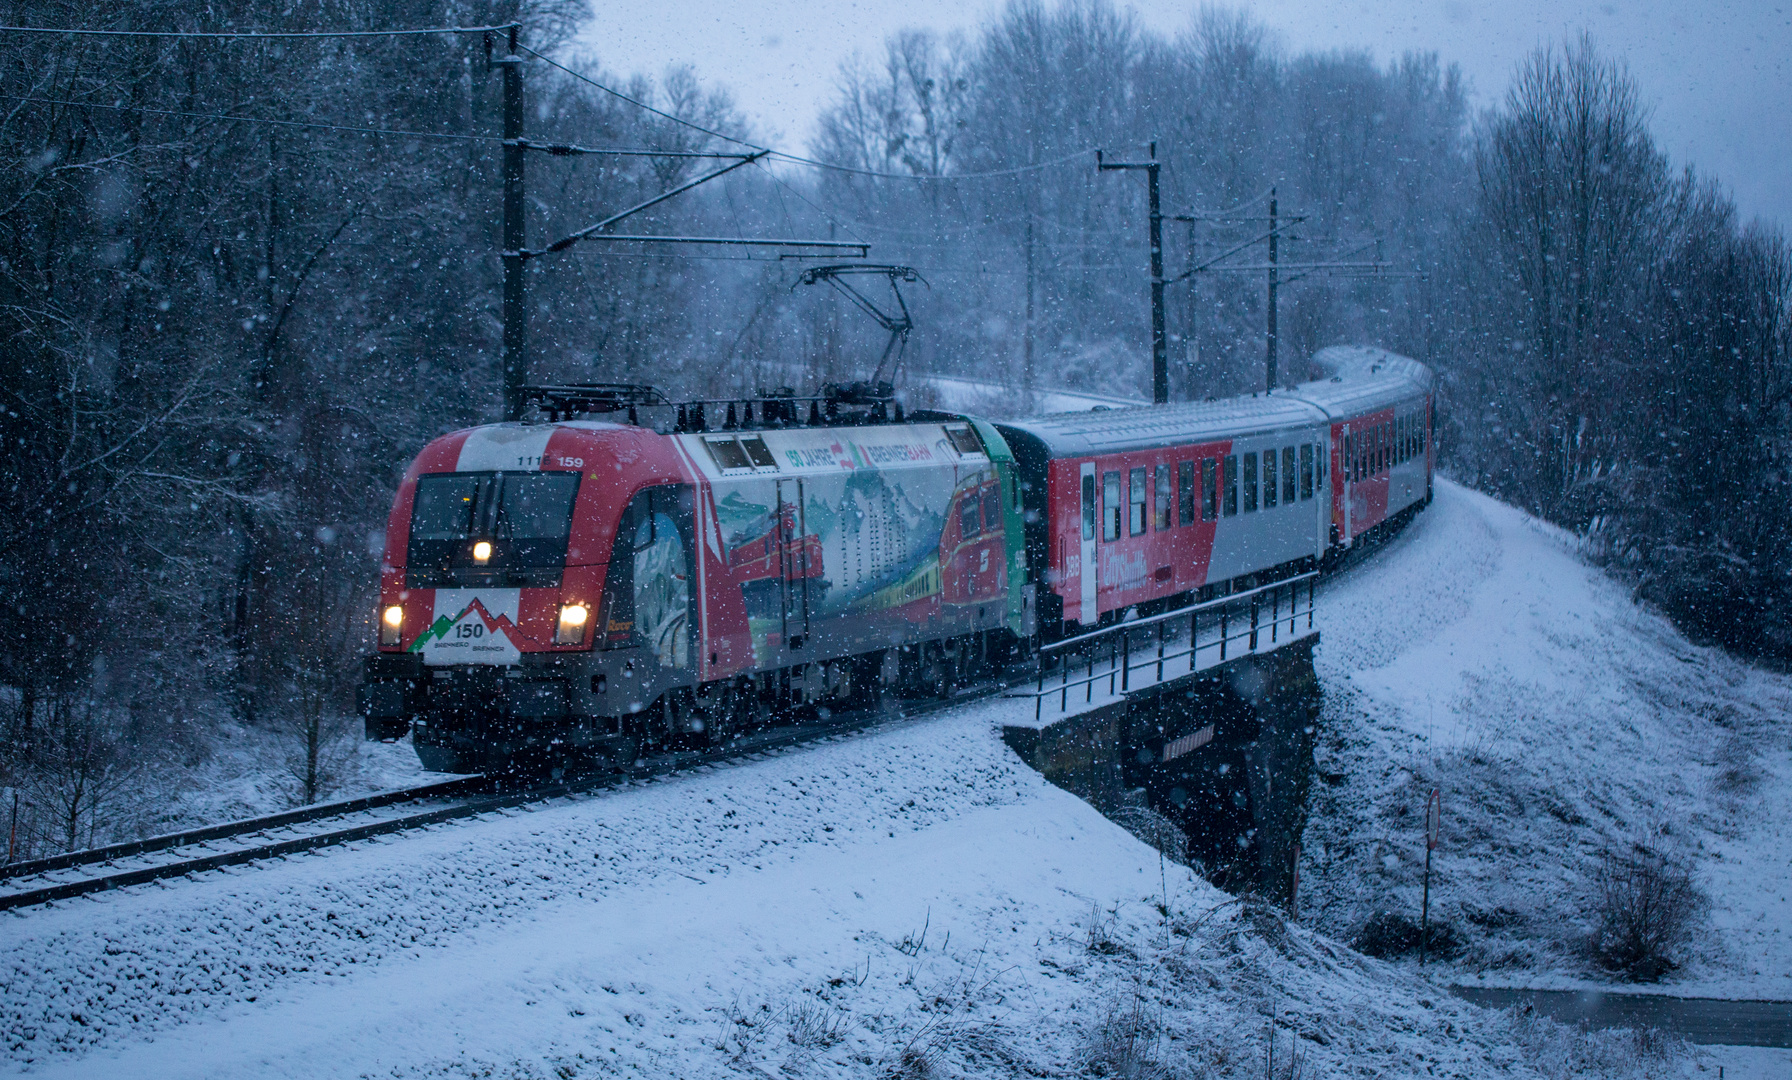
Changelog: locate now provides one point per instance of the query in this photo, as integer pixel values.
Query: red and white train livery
(586, 583)
(1139, 506)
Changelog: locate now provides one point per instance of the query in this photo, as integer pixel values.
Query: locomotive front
(493, 592)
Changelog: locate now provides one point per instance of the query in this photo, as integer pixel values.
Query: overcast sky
(1716, 73)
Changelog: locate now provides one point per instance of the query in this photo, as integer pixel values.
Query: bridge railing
(1144, 652)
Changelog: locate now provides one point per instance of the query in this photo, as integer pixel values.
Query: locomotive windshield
(490, 529)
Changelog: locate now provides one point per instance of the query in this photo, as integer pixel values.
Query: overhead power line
(253, 34)
(227, 117)
(797, 159)
(1018, 169)
(570, 150)
(556, 149)
(582, 77)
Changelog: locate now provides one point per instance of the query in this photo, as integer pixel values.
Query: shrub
(1389, 934)
(1647, 908)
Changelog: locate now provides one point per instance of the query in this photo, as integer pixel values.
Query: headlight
(392, 625)
(482, 552)
(571, 630)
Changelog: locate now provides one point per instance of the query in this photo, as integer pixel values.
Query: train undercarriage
(547, 716)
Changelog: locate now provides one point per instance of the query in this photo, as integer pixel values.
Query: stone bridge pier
(1225, 751)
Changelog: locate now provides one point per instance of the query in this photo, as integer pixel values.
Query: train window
(1269, 478)
(1162, 508)
(527, 518)
(1210, 494)
(1306, 471)
(1135, 519)
(1112, 513)
(1089, 507)
(1287, 474)
(1250, 482)
(758, 453)
(1229, 481)
(443, 506)
(728, 454)
(964, 440)
(1185, 493)
(992, 507)
(536, 506)
(967, 516)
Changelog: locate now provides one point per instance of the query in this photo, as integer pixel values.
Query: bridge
(1204, 714)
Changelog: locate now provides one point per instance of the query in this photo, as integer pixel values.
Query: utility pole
(1218, 264)
(517, 253)
(1271, 385)
(1160, 357)
(516, 317)
(1026, 340)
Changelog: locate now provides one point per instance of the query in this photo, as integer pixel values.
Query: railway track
(293, 832)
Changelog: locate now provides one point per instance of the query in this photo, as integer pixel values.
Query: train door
(1087, 551)
(1347, 476)
(793, 577)
(648, 596)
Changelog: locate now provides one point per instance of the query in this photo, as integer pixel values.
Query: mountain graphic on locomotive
(585, 587)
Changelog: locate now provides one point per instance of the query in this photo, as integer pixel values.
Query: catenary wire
(616, 151)
(255, 34)
(638, 103)
(941, 177)
(255, 120)
(798, 159)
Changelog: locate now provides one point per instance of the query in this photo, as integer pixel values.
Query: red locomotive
(585, 586)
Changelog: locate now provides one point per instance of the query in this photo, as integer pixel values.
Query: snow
(1743, 1063)
(1479, 654)
(913, 900)
(958, 394)
(911, 893)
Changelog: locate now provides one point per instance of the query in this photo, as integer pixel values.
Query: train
(625, 572)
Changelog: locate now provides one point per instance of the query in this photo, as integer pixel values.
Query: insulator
(746, 419)
(729, 424)
(697, 418)
(633, 416)
(684, 419)
(814, 414)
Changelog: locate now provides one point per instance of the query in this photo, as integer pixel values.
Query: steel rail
(242, 827)
(661, 765)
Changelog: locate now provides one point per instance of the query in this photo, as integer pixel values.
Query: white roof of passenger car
(1113, 431)
(1364, 379)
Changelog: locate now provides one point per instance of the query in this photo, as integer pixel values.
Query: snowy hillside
(911, 902)
(1477, 654)
(915, 902)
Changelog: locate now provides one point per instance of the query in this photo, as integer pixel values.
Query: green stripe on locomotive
(1013, 520)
